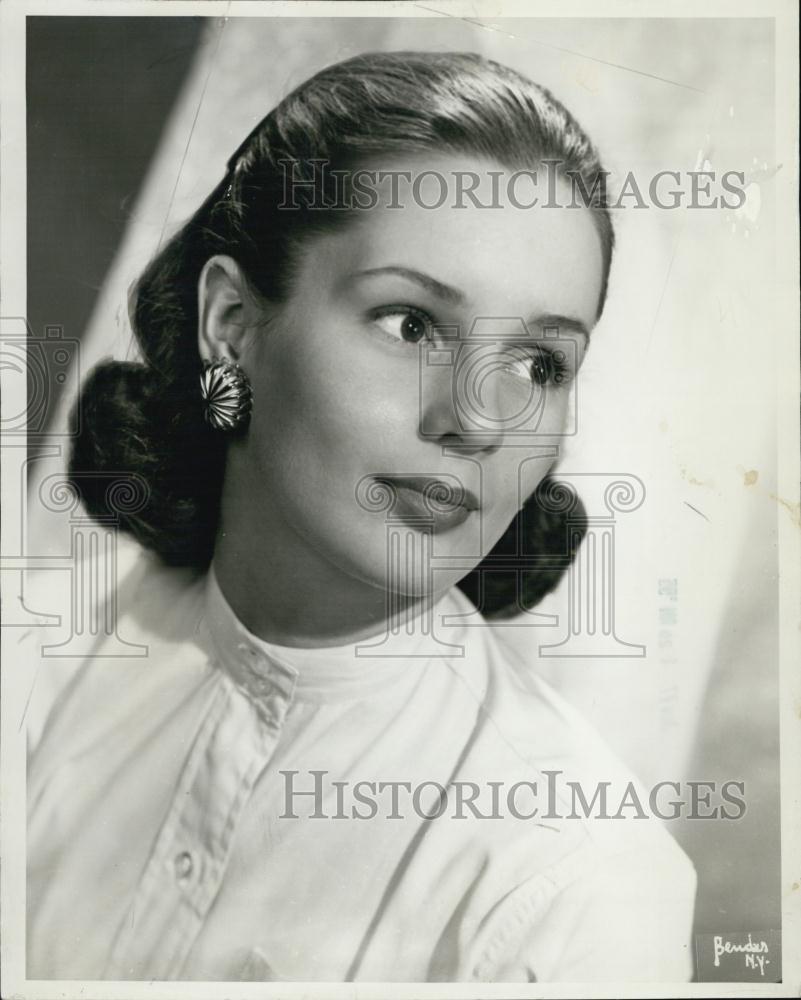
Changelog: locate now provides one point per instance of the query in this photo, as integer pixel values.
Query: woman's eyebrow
(556, 321)
(446, 292)
(456, 297)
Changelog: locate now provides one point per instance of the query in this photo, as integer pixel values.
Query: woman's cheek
(375, 413)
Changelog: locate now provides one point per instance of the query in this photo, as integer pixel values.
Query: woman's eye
(409, 325)
(541, 366)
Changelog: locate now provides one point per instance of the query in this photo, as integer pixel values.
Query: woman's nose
(455, 414)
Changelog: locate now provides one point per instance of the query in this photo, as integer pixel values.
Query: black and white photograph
(401, 550)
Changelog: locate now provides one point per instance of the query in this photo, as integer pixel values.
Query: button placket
(193, 847)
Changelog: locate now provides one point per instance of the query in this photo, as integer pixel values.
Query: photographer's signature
(755, 953)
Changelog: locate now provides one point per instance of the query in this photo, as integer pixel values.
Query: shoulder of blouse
(72, 639)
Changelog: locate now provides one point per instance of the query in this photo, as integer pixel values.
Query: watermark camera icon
(500, 379)
(45, 363)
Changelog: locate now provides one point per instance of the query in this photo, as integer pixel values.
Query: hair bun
(112, 417)
(128, 422)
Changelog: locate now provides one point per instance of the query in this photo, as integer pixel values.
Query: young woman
(356, 364)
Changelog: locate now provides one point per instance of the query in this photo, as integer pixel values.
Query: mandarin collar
(272, 675)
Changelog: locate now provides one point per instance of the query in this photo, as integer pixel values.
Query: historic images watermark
(316, 795)
(313, 184)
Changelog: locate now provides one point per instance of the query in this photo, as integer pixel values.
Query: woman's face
(416, 350)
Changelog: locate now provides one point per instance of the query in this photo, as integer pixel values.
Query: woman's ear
(222, 308)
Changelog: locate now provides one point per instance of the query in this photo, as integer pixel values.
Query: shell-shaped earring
(227, 395)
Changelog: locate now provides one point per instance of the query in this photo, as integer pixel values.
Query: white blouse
(172, 834)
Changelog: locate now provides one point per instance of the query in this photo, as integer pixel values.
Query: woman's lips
(426, 499)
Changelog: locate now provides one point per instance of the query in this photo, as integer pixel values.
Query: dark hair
(146, 418)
